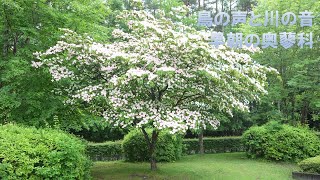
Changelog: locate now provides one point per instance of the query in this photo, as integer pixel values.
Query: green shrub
(311, 165)
(168, 147)
(30, 153)
(214, 145)
(254, 141)
(281, 142)
(108, 151)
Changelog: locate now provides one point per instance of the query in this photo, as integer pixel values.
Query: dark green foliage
(100, 131)
(108, 151)
(30, 153)
(311, 165)
(26, 94)
(168, 147)
(281, 142)
(101, 135)
(214, 145)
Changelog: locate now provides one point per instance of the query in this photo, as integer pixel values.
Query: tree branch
(161, 92)
(145, 134)
(180, 99)
(186, 97)
(154, 137)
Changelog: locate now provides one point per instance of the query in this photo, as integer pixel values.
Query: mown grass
(225, 166)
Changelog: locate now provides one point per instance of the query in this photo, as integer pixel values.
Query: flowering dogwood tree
(156, 74)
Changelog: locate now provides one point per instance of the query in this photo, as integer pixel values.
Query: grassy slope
(210, 166)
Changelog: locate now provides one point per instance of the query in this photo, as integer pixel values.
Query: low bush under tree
(168, 148)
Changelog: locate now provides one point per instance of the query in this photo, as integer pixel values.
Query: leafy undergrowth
(210, 166)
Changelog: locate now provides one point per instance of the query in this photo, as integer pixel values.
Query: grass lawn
(233, 166)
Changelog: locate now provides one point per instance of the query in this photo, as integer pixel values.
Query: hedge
(110, 151)
(214, 145)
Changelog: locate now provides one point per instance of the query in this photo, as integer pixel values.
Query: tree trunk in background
(6, 32)
(279, 105)
(304, 112)
(15, 43)
(201, 147)
(293, 107)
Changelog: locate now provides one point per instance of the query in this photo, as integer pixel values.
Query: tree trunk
(15, 43)
(293, 107)
(201, 147)
(152, 147)
(6, 33)
(304, 112)
(153, 162)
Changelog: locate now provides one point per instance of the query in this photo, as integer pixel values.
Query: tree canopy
(156, 74)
